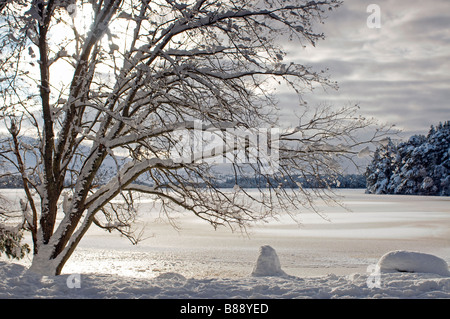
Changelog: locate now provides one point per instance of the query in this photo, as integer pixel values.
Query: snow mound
(407, 261)
(268, 263)
(171, 276)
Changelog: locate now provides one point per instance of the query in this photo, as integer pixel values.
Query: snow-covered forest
(418, 166)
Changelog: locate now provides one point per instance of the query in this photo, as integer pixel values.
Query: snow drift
(16, 282)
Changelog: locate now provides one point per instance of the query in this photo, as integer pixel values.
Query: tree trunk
(51, 258)
(46, 263)
(42, 263)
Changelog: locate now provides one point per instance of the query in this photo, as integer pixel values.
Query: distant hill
(10, 178)
(222, 178)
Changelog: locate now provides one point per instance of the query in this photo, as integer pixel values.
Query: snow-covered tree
(381, 169)
(126, 81)
(419, 166)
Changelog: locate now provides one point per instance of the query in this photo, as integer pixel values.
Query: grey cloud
(399, 73)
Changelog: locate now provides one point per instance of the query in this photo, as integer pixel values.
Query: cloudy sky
(398, 73)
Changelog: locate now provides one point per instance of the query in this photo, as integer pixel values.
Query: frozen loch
(405, 237)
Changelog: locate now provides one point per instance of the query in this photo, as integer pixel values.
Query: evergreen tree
(379, 172)
(420, 166)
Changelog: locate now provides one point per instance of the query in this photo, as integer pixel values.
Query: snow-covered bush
(11, 233)
(420, 166)
(11, 244)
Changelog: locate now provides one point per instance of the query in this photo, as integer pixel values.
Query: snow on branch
(126, 175)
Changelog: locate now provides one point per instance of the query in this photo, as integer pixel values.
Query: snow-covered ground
(331, 257)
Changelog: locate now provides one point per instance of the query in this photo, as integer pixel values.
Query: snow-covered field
(332, 257)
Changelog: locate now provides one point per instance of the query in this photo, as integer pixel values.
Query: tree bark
(49, 203)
